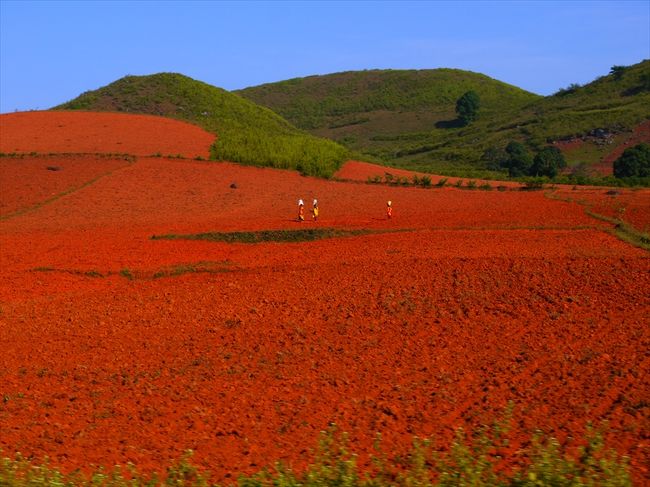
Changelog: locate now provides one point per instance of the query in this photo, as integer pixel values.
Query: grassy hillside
(407, 118)
(247, 133)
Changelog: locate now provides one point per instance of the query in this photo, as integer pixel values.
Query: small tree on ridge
(467, 107)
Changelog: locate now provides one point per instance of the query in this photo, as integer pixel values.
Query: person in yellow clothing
(389, 209)
(314, 210)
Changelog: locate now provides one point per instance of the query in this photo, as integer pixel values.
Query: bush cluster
(469, 462)
(307, 154)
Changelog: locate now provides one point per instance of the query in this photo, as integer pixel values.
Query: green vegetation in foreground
(407, 119)
(246, 133)
(302, 235)
(469, 462)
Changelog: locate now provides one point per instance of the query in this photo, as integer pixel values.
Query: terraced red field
(117, 347)
(116, 133)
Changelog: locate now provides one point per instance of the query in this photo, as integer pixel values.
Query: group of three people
(314, 210)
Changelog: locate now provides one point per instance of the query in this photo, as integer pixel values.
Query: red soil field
(120, 348)
(31, 181)
(116, 133)
(629, 205)
(365, 171)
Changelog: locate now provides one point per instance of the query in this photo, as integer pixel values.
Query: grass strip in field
(261, 236)
(130, 160)
(76, 272)
(469, 461)
(624, 231)
(206, 267)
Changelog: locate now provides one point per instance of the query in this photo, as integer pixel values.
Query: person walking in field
(314, 210)
(389, 209)
(301, 210)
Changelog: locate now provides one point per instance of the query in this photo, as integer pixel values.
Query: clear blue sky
(52, 51)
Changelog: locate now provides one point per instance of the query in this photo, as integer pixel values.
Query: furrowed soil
(122, 348)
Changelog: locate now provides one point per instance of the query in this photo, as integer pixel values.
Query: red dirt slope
(364, 171)
(31, 180)
(640, 135)
(89, 132)
(117, 348)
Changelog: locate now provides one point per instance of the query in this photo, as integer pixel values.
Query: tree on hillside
(547, 162)
(572, 88)
(467, 107)
(634, 162)
(519, 159)
(495, 158)
(645, 82)
(617, 71)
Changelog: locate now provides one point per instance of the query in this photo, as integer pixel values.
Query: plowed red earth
(474, 299)
(628, 205)
(82, 132)
(31, 181)
(364, 171)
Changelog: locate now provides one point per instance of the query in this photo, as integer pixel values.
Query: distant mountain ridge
(407, 118)
(402, 118)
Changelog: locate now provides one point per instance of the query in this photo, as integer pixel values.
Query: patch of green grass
(470, 461)
(301, 235)
(77, 272)
(92, 273)
(126, 272)
(199, 267)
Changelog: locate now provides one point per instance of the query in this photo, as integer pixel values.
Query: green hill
(408, 119)
(246, 133)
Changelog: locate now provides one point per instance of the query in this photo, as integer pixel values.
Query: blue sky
(51, 51)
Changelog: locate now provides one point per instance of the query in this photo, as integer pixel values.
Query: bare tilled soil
(83, 132)
(118, 347)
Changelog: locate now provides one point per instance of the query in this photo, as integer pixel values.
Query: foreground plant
(468, 462)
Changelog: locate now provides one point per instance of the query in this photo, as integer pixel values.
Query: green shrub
(470, 461)
(634, 162)
(126, 272)
(547, 162)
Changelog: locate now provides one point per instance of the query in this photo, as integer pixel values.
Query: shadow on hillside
(635, 90)
(449, 124)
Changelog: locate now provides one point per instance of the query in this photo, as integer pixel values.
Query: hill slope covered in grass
(246, 133)
(408, 119)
